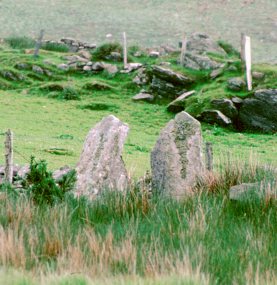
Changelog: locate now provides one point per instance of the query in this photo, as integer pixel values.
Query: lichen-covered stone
(176, 159)
(101, 166)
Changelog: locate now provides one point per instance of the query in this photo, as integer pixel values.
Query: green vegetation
(49, 236)
(105, 50)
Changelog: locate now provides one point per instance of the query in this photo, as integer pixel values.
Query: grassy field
(129, 238)
(148, 22)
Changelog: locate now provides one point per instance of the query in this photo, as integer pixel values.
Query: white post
(248, 62)
(125, 58)
(9, 157)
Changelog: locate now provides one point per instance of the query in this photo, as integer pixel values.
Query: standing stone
(177, 158)
(101, 166)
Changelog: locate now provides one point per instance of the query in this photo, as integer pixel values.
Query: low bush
(20, 42)
(105, 50)
(58, 47)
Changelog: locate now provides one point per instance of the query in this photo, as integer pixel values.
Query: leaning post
(9, 157)
(125, 57)
(209, 156)
(38, 43)
(183, 49)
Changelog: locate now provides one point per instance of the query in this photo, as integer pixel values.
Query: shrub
(105, 50)
(228, 48)
(58, 47)
(100, 107)
(20, 42)
(68, 93)
(41, 185)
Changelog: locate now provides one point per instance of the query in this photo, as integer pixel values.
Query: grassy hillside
(147, 22)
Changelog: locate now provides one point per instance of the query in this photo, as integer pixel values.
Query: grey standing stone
(177, 159)
(101, 166)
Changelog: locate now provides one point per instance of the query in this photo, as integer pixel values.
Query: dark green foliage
(100, 106)
(68, 93)
(58, 47)
(41, 185)
(105, 50)
(229, 49)
(20, 42)
(97, 86)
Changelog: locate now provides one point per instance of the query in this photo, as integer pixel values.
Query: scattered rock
(251, 191)
(110, 68)
(98, 66)
(258, 75)
(143, 97)
(259, 113)
(63, 66)
(215, 117)
(75, 58)
(237, 101)
(154, 54)
(165, 89)
(114, 56)
(142, 77)
(176, 159)
(200, 62)
(216, 73)
(87, 68)
(60, 173)
(225, 106)
(85, 54)
(178, 104)
(131, 67)
(37, 69)
(236, 84)
(23, 66)
(101, 166)
(201, 44)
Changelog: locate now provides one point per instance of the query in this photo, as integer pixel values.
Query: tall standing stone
(177, 159)
(101, 166)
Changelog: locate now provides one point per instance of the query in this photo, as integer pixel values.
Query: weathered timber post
(209, 156)
(125, 57)
(248, 62)
(183, 49)
(38, 43)
(9, 157)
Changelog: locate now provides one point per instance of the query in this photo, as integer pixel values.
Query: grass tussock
(142, 238)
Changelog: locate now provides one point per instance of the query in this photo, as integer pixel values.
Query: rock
(85, 54)
(23, 66)
(199, 62)
(215, 117)
(23, 171)
(237, 101)
(258, 75)
(178, 104)
(251, 191)
(63, 66)
(131, 67)
(98, 66)
(75, 58)
(101, 166)
(176, 159)
(11, 75)
(115, 56)
(154, 54)
(171, 76)
(226, 107)
(87, 68)
(259, 113)
(216, 73)
(110, 68)
(142, 77)
(236, 84)
(60, 173)
(143, 97)
(201, 44)
(165, 89)
(37, 69)
(137, 54)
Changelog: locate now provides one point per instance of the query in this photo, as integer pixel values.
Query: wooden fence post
(9, 157)
(38, 43)
(183, 49)
(125, 54)
(209, 156)
(248, 62)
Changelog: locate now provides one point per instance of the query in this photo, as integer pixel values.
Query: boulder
(165, 89)
(37, 69)
(258, 75)
(85, 54)
(200, 62)
(176, 159)
(171, 76)
(143, 97)
(154, 54)
(202, 43)
(114, 56)
(215, 117)
(101, 166)
(251, 191)
(236, 84)
(63, 66)
(60, 173)
(131, 67)
(142, 77)
(259, 113)
(178, 104)
(226, 107)
(98, 66)
(110, 68)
